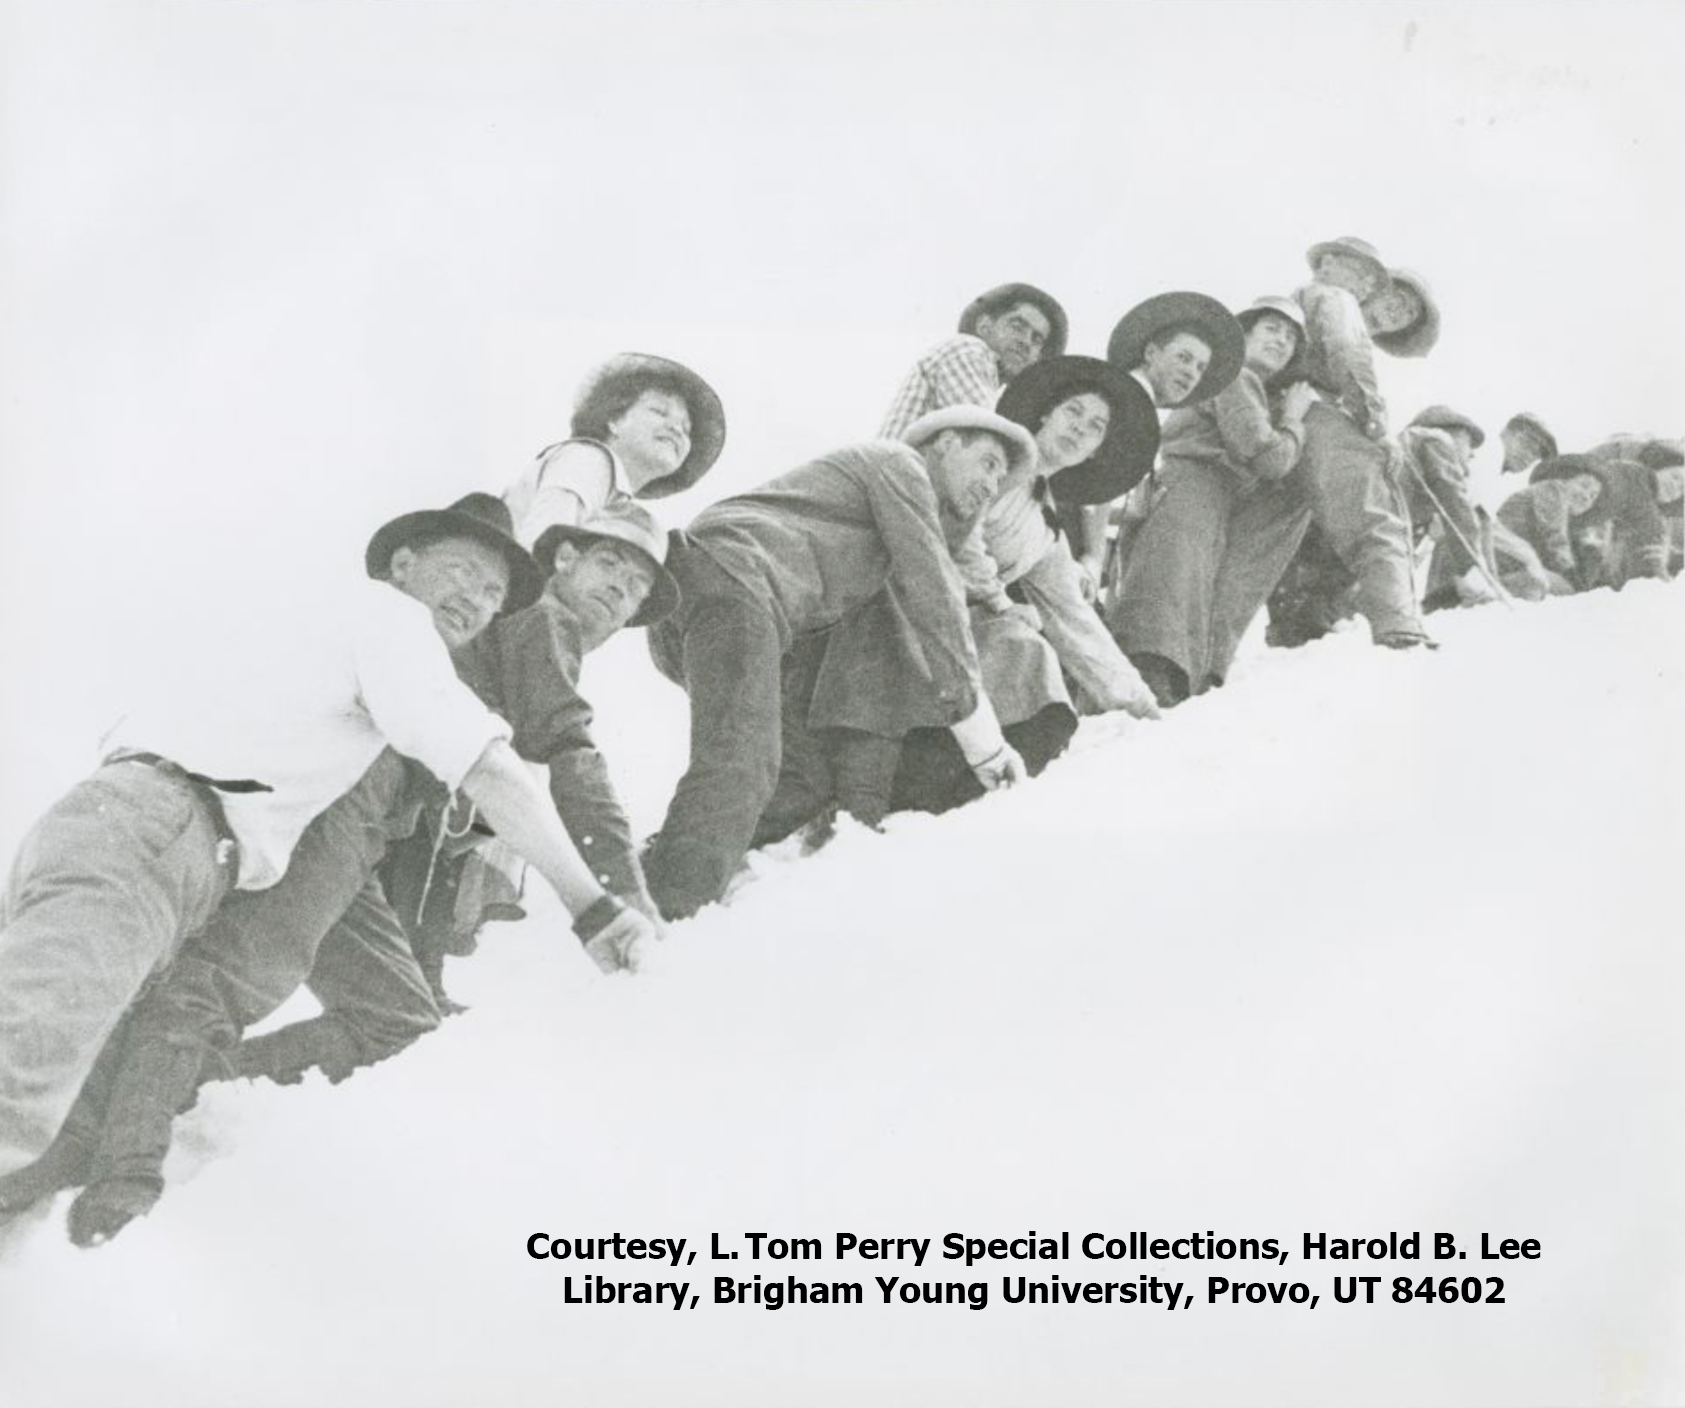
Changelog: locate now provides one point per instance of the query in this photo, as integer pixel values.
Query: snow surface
(1366, 942)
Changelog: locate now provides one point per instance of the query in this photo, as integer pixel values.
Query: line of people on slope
(904, 622)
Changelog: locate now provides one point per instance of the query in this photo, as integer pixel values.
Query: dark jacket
(526, 668)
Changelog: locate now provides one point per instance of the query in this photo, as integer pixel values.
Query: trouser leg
(252, 957)
(1265, 530)
(1354, 503)
(731, 659)
(375, 1001)
(103, 888)
(805, 784)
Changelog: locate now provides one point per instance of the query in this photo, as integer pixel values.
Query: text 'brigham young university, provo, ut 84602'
(1126, 1269)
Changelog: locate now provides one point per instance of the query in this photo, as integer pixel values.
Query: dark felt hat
(1125, 455)
(629, 522)
(1419, 338)
(1147, 320)
(1003, 297)
(623, 377)
(1444, 418)
(482, 517)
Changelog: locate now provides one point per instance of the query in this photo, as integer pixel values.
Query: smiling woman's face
(652, 435)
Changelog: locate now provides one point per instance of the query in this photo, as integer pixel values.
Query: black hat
(482, 517)
(1006, 296)
(623, 377)
(1125, 455)
(1146, 321)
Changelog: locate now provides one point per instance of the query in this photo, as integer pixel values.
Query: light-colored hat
(1445, 418)
(1020, 444)
(1126, 453)
(1149, 319)
(629, 522)
(1282, 308)
(1003, 297)
(1419, 338)
(626, 374)
(482, 517)
(1353, 246)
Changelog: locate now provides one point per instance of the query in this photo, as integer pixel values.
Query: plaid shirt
(959, 372)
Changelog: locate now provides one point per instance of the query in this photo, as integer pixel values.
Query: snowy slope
(1366, 942)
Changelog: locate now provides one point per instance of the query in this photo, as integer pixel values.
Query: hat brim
(1476, 435)
(1218, 328)
(1007, 294)
(526, 580)
(1125, 455)
(1316, 251)
(1421, 336)
(664, 596)
(707, 412)
(1021, 445)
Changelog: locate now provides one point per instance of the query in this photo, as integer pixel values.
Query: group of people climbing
(904, 622)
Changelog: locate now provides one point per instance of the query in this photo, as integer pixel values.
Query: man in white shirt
(213, 797)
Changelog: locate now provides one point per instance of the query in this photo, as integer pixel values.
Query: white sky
(271, 272)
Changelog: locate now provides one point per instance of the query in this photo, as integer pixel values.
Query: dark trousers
(727, 650)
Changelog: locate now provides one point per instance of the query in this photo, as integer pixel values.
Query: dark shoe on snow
(104, 1209)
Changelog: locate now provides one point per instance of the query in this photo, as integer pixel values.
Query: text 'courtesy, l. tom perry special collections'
(1060, 1268)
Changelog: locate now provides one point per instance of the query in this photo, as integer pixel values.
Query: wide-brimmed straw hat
(1445, 418)
(1216, 326)
(1125, 455)
(482, 517)
(1282, 308)
(622, 377)
(1526, 420)
(622, 521)
(1003, 297)
(1020, 444)
(1419, 338)
(1356, 248)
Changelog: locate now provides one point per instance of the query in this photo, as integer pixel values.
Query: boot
(1167, 680)
(104, 1209)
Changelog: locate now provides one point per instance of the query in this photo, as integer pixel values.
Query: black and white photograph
(939, 703)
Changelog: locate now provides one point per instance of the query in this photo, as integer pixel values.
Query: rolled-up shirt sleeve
(410, 690)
